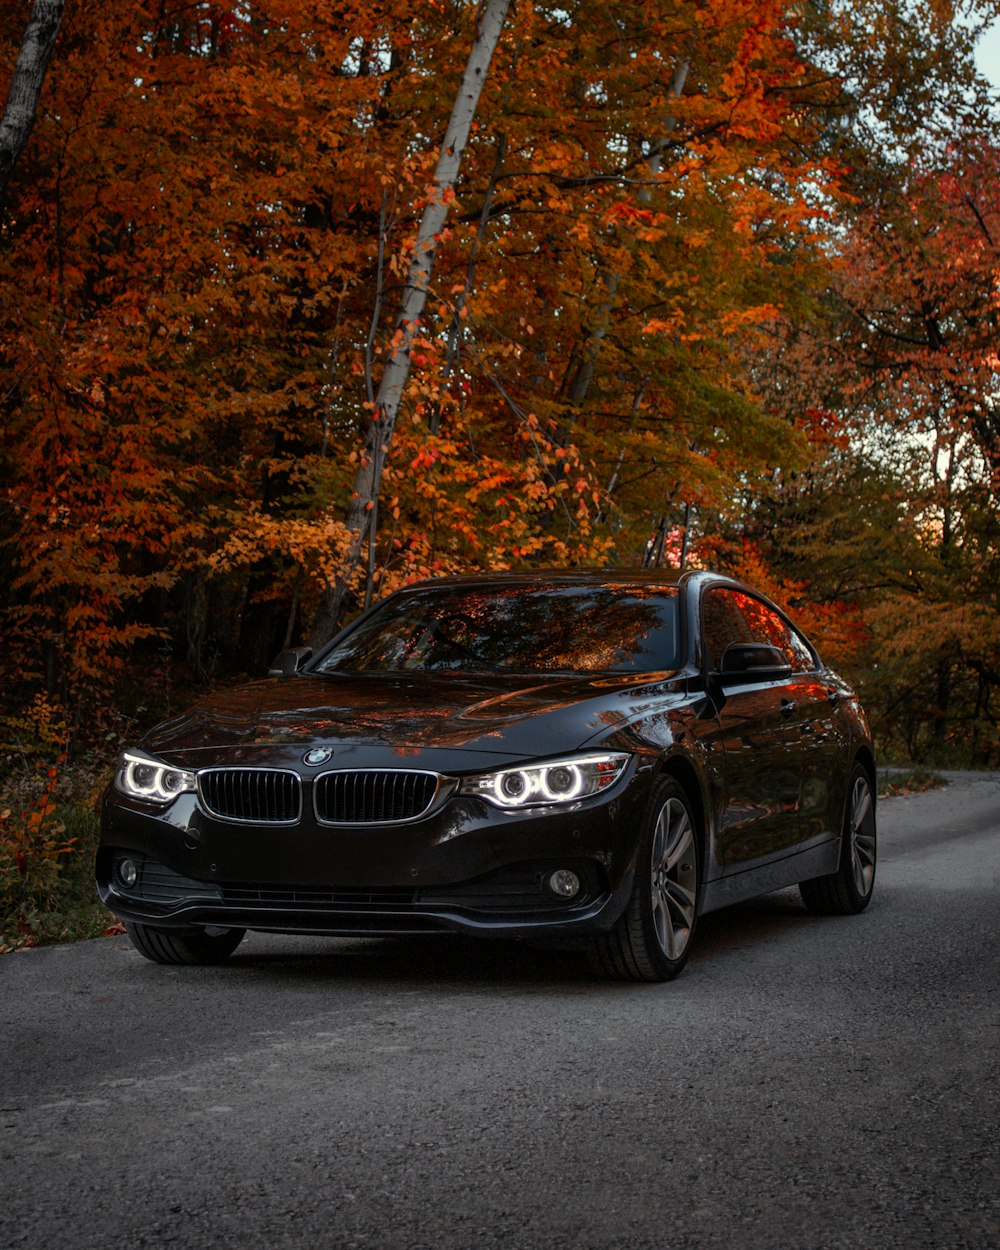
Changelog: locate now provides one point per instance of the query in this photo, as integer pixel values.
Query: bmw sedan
(586, 757)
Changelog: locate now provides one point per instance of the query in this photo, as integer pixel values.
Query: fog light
(564, 883)
(128, 874)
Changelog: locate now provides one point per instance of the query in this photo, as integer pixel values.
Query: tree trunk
(26, 86)
(361, 518)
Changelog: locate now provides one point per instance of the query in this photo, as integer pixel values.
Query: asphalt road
(817, 1084)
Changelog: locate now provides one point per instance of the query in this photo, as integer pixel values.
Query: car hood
(503, 715)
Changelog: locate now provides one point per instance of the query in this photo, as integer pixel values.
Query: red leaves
(630, 214)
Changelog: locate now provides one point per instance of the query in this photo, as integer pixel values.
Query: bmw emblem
(318, 755)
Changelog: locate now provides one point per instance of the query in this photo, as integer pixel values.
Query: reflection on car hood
(522, 715)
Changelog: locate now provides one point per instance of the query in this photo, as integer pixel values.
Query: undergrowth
(49, 828)
(909, 781)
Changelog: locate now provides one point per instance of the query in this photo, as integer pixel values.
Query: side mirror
(754, 659)
(290, 662)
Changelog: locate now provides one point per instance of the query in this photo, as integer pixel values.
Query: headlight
(143, 778)
(544, 785)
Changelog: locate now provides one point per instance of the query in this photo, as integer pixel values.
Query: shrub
(48, 833)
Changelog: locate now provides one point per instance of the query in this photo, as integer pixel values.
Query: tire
(651, 940)
(170, 946)
(848, 891)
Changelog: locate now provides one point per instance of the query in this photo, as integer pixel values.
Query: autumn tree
(922, 304)
(173, 349)
(613, 330)
(362, 511)
(219, 207)
(898, 514)
(206, 261)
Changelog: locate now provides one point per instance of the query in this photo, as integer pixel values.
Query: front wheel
(849, 890)
(652, 938)
(171, 946)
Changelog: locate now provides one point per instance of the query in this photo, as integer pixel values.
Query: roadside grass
(49, 829)
(900, 781)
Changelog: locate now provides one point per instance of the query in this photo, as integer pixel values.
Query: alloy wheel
(673, 878)
(862, 836)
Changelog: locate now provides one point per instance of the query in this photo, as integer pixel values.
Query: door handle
(787, 707)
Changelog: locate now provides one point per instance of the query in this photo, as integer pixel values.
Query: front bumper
(467, 867)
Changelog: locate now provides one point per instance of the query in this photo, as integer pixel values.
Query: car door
(816, 732)
(759, 810)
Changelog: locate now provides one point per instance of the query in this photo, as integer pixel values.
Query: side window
(722, 623)
(767, 626)
(805, 660)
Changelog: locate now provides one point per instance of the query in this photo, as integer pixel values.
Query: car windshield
(515, 629)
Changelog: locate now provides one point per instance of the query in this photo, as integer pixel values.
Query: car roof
(588, 577)
(667, 578)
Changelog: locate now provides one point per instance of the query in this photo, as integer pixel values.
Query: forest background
(716, 285)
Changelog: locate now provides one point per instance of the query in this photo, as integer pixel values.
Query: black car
(588, 756)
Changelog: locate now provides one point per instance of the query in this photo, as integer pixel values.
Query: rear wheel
(849, 890)
(171, 946)
(652, 938)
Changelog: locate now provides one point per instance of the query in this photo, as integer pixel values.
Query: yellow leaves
(737, 318)
(316, 545)
(490, 512)
(937, 627)
(657, 325)
(40, 729)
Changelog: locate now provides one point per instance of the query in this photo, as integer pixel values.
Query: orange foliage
(200, 267)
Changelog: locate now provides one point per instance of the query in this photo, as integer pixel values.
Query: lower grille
(260, 796)
(313, 897)
(508, 891)
(512, 891)
(374, 796)
(163, 887)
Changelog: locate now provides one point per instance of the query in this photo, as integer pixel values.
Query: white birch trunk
(654, 162)
(488, 29)
(361, 515)
(26, 85)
